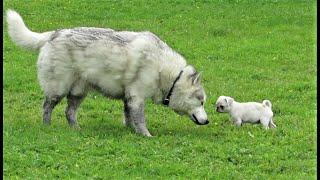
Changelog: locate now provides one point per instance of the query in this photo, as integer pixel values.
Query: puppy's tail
(267, 103)
(271, 124)
(21, 35)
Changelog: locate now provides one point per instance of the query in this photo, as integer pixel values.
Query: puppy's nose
(206, 122)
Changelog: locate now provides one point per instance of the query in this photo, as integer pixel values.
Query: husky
(125, 65)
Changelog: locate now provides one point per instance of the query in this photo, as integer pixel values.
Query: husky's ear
(192, 76)
(197, 79)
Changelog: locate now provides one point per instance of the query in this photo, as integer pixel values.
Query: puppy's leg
(48, 105)
(73, 104)
(238, 122)
(134, 110)
(265, 122)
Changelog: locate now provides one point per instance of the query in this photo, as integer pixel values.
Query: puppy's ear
(229, 101)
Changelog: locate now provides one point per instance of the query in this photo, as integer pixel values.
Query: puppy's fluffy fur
(249, 112)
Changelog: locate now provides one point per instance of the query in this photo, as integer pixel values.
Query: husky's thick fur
(131, 66)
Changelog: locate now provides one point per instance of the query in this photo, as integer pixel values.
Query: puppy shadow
(191, 131)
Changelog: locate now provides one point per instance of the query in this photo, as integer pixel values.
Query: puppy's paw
(238, 123)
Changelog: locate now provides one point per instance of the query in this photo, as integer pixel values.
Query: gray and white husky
(131, 66)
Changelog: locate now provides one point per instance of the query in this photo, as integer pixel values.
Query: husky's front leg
(134, 115)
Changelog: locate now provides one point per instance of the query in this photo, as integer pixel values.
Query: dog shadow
(106, 130)
(116, 130)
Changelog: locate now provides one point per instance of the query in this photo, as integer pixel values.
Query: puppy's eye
(201, 103)
(221, 107)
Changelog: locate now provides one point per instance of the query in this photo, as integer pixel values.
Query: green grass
(251, 50)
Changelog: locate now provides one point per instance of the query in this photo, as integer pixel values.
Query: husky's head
(188, 96)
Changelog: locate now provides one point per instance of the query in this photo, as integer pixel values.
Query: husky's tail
(267, 103)
(21, 35)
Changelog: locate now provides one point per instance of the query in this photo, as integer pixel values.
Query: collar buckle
(166, 102)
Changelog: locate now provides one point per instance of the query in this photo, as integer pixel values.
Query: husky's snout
(195, 120)
(199, 116)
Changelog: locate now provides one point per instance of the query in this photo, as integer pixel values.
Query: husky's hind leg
(73, 104)
(48, 106)
(75, 97)
(54, 95)
(55, 76)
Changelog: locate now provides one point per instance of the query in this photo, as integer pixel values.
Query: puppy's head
(224, 104)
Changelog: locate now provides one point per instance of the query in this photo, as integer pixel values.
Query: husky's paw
(127, 123)
(75, 127)
(148, 135)
(144, 133)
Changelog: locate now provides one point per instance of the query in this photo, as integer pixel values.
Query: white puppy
(249, 112)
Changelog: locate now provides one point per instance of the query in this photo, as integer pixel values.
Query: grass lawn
(250, 51)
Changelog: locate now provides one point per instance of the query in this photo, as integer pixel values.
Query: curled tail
(21, 35)
(271, 124)
(267, 103)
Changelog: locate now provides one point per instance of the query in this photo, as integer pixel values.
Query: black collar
(167, 99)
